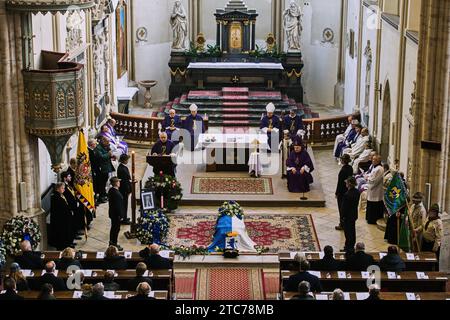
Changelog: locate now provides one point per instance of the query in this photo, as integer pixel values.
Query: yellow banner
(83, 176)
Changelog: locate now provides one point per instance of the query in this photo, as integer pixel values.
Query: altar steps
(235, 106)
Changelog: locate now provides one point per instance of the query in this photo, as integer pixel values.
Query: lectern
(164, 164)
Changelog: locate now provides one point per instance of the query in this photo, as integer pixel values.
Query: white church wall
(389, 71)
(369, 33)
(320, 58)
(411, 56)
(351, 63)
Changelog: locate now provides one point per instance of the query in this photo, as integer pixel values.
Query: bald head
(163, 136)
(143, 288)
(172, 113)
(50, 267)
(154, 249)
(25, 245)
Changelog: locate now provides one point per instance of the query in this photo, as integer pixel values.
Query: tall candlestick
(133, 164)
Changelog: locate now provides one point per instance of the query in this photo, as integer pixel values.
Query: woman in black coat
(61, 233)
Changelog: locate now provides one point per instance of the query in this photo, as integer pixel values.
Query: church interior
(225, 149)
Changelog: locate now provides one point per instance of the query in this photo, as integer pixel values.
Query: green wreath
(168, 187)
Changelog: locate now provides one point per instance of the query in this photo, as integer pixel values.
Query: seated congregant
(359, 261)
(16, 274)
(328, 262)
(299, 168)
(374, 292)
(392, 261)
(163, 148)
(27, 258)
(10, 293)
(194, 125)
(152, 258)
(171, 123)
(114, 261)
(349, 139)
(364, 158)
(304, 292)
(118, 147)
(67, 260)
(293, 123)
(50, 277)
(98, 292)
(142, 292)
(46, 293)
(271, 125)
(303, 275)
(359, 146)
(341, 137)
(109, 283)
(141, 268)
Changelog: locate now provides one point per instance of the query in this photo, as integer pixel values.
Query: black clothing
(111, 286)
(392, 262)
(155, 261)
(57, 283)
(341, 188)
(133, 283)
(123, 173)
(115, 213)
(115, 263)
(390, 233)
(359, 261)
(294, 280)
(63, 263)
(10, 295)
(141, 297)
(29, 260)
(22, 285)
(349, 209)
(46, 297)
(328, 263)
(96, 297)
(61, 218)
(305, 297)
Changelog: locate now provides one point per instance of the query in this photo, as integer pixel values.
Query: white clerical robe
(341, 137)
(375, 191)
(358, 147)
(363, 157)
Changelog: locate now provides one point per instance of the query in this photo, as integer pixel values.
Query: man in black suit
(123, 173)
(61, 217)
(328, 262)
(9, 285)
(360, 260)
(50, 278)
(98, 292)
(349, 208)
(140, 271)
(75, 206)
(28, 259)
(153, 260)
(341, 188)
(115, 200)
(93, 158)
(143, 290)
(303, 275)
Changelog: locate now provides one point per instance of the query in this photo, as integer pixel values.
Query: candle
(133, 164)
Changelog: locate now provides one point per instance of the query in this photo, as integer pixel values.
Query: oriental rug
(275, 231)
(227, 185)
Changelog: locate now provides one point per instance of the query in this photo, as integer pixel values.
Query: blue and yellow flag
(83, 182)
(395, 195)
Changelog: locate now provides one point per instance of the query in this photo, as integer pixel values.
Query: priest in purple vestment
(299, 168)
(163, 148)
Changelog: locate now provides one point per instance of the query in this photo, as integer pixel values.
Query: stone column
(19, 150)
(432, 112)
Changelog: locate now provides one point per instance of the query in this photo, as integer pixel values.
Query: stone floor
(324, 218)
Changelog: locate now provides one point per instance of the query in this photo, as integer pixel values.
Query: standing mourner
(123, 173)
(115, 211)
(341, 188)
(432, 231)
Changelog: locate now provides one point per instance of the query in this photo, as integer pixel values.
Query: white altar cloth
(236, 65)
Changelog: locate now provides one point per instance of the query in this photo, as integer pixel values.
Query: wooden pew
(385, 295)
(408, 280)
(424, 261)
(162, 279)
(89, 260)
(69, 295)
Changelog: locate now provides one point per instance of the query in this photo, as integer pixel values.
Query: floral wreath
(2, 254)
(167, 186)
(18, 229)
(231, 208)
(152, 227)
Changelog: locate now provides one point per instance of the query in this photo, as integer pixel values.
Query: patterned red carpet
(226, 185)
(277, 232)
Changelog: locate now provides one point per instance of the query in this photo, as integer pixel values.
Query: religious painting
(121, 38)
(236, 36)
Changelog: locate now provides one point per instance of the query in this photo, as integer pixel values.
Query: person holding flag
(396, 203)
(432, 231)
(84, 187)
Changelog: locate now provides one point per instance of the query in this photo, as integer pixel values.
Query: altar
(232, 152)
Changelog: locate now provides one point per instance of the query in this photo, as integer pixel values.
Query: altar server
(194, 124)
(299, 168)
(271, 125)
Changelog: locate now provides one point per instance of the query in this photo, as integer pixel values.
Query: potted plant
(213, 52)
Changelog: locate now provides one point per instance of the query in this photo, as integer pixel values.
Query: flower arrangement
(2, 254)
(168, 187)
(152, 227)
(185, 252)
(18, 229)
(231, 208)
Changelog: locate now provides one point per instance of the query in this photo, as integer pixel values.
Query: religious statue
(368, 56)
(178, 21)
(292, 26)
